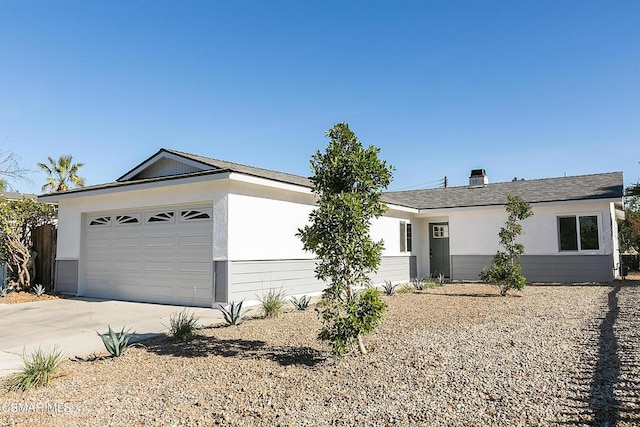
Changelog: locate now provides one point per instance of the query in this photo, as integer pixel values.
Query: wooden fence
(44, 244)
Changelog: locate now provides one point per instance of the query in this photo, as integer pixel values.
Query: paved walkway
(70, 325)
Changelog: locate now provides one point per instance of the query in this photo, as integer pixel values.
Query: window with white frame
(578, 233)
(406, 240)
(440, 231)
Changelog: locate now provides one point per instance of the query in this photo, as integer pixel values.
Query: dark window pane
(568, 233)
(409, 242)
(589, 233)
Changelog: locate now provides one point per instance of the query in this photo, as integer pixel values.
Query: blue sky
(531, 89)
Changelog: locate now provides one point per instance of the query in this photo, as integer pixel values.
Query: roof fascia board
(266, 182)
(442, 211)
(400, 208)
(162, 154)
(134, 186)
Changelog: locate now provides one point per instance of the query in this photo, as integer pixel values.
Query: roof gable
(162, 164)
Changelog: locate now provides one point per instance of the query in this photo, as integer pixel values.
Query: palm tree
(62, 174)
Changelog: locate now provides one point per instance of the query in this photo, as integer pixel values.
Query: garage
(161, 255)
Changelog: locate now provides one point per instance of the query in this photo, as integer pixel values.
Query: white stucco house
(186, 229)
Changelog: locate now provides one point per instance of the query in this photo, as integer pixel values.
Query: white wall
(206, 193)
(474, 231)
(263, 223)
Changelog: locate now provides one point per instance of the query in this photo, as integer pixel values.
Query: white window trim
(404, 241)
(577, 216)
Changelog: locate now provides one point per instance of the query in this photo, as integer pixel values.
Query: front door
(439, 249)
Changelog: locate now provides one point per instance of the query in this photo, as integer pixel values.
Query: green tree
(63, 174)
(17, 219)
(505, 271)
(348, 181)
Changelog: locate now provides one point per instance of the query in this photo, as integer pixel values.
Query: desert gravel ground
(458, 355)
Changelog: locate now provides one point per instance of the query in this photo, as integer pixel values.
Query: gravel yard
(454, 356)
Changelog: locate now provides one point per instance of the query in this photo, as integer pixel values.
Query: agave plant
(233, 313)
(301, 303)
(389, 288)
(4, 290)
(38, 290)
(418, 284)
(116, 343)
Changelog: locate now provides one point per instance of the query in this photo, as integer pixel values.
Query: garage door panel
(165, 257)
(198, 240)
(127, 266)
(159, 241)
(127, 242)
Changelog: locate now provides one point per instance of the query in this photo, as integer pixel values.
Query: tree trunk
(361, 347)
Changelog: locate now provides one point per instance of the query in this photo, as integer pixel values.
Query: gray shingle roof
(583, 187)
(598, 186)
(245, 169)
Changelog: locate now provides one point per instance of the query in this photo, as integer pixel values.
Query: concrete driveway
(70, 325)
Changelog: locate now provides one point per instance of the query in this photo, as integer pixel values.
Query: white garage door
(159, 255)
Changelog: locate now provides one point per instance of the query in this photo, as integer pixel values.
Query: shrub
(183, 325)
(116, 343)
(389, 288)
(4, 290)
(273, 303)
(233, 315)
(38, 290)
(301, 303)
(505, 271)
(407, 288)
(344, 321)
(38, 370)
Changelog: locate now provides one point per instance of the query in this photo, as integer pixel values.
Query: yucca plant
(273, 303)
(38, 370)
(183, 325)
(116, 343)
(232, 314)
(389, 288)
(38, 290)
(301, 303)
(440, 279)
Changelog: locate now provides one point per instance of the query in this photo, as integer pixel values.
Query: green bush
(273, 303)
(183, 325)
(343, 323)
(38, 370)
(116, 343)
(407, 288)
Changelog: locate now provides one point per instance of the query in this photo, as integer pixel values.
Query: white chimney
(478, 178)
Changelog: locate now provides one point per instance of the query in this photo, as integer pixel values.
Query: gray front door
(439, 248)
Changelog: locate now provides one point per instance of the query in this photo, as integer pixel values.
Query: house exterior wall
(254, 228)
(265, 253)
(473, 234)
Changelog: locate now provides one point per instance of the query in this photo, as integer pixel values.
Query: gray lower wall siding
(542, 268)
(66, 280)
(220, 281)
(251, 279)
